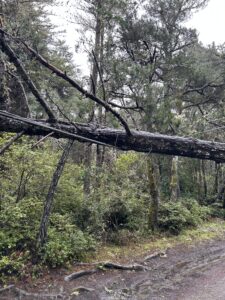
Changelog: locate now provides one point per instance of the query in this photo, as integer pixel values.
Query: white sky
(210, 22)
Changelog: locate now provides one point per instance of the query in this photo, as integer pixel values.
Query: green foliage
(175, 216)
(11, 265)
(18, 225)
(115, 212)
(198, 213)
(66, 242)
(20, 216)
(216, 211)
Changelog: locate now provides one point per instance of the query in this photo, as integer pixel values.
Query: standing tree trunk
(93, 90)
(154, 195)
(42, 234)
(100, 151)
(205, 187)
(174, 181)
(217, 178)
(221, 194)
(199, 181)
(87, 171)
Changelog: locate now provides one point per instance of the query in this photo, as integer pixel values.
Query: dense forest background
(59, 199)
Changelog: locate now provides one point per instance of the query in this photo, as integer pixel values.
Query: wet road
(209, 286)
(185, 272)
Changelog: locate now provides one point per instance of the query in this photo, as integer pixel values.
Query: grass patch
(206, 231)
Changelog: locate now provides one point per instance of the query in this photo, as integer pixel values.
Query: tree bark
(87, 172)
(205, 187)
(154, 195)
(174, 181)
(140, 141)
(218, 177)
(42, 234)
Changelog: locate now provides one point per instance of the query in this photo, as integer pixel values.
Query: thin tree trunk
(217, 178)
(21, 191)
(221, 194)
(42, 234)
(174, 182)
(205, 188)
(87, 172)
(93, 89)
(154, 195)
(199, 182)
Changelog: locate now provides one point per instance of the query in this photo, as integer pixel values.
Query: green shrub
(198, 213)
(217, 211)
(18, 225)
(172, 217)
(175, 216)
(12, 265)
(65, 242)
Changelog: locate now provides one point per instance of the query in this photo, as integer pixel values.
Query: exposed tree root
(154, 255)
(81, 289)
(104, 266)
(80, 274)
(8, 288)
(136, 267)
(22, 293)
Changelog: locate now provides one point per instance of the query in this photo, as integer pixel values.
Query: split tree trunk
(42, 234)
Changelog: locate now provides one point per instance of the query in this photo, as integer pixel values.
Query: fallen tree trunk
(139, 141)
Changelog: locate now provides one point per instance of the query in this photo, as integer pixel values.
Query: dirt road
(185, 272)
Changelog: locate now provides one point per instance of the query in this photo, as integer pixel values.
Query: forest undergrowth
(112, 223)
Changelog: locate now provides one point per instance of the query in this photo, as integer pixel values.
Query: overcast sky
(210, 22)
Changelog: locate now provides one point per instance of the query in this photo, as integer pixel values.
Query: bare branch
(10, 142)
(84, 92)
(136, 107)
(14, 59)
(42, 140)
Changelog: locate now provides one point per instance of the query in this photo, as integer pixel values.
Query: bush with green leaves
(19, 223)
(65, 241)
(198, 213)
(116, 210)
(217, 211)
(175, 216)
(12, 265)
